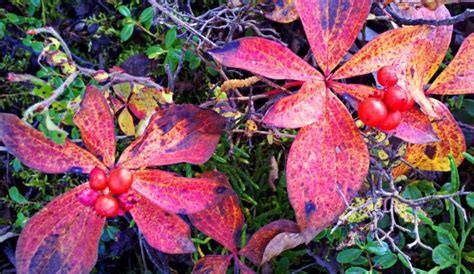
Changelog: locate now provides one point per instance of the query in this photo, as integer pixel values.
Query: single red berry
(88, 196)
(372, 111)
(392, 121)
(106, 206)
(395, 98)
(120, 180)
(98, 179)
(126, 201)
(387, 76)
(410, 103)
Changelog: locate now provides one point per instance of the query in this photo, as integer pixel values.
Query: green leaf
(470, 199)
(454, 174)
(172, 58)
(468, 157)
(468, 256)
(386, 261)
(124, 11)
(13, 18)
(146, 15)
(16, 196)
(2, 29)
(411, 192)
(443, 255)
(377, 248)
(356, 270)
(20, 220)
(403, 260)
(154, 52)
(16, 164)
(126, 32)
(348, 255)
(170, 37)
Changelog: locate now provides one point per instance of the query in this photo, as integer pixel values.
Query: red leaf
(360, 92)
(212, 264)
(328, 159)
(164, 231)
(438, 40)
(255, 248)
(184, 133)
(223, 221)
(300, 109)
(264, 57)
(458, 77)
(385, 50)
(62, 237)
(243, 269)
(37, 152)
(178, 194)
(415, 128)
(331, 27)
(96, 123)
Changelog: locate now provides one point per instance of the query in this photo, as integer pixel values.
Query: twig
(468, 13)
(417, 234)
(277, 134)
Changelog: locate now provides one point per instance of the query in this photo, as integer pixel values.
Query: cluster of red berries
(110, 196)
(384, 110)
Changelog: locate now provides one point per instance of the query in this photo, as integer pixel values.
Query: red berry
(395, 98)
(120, 180)
(392, 121)
(126, 201)
(410, 103)
(387, 76)
(98, 179)
(106, 206)
(372, 111)
(87, 196)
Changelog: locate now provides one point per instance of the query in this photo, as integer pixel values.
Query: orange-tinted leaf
(178, 194)
(255, 248)
(96, 123)
(360, 92)
(37, 152)
(434, 156)
(438, 40)
(212, 264)
(328, 159)
(243, 268)
(280, 11)
(123, 91)
(142, 102)
(385, 50)
(415, 71)
(415, 128)
(331, 27)
(164, 231)
(223, 221)
(62, 238)
(264, 57)
(458, 77)
(125, 122)
(300, 109)
(183, 133)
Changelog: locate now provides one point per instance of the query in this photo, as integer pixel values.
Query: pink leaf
(62, 237)
(164, 231)
(178, 194)
(96, 123)
(264, 57)
(223, 221)
(359, 92)
(327, 163)
(300, 109)
(415, 128)
(183, 133)
(212, 264)
(37, 152)
(255, 248)
(331, 27)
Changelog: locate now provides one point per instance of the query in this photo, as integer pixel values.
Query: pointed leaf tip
(37, 152)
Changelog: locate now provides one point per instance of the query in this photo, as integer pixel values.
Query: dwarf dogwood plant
(64, 235)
